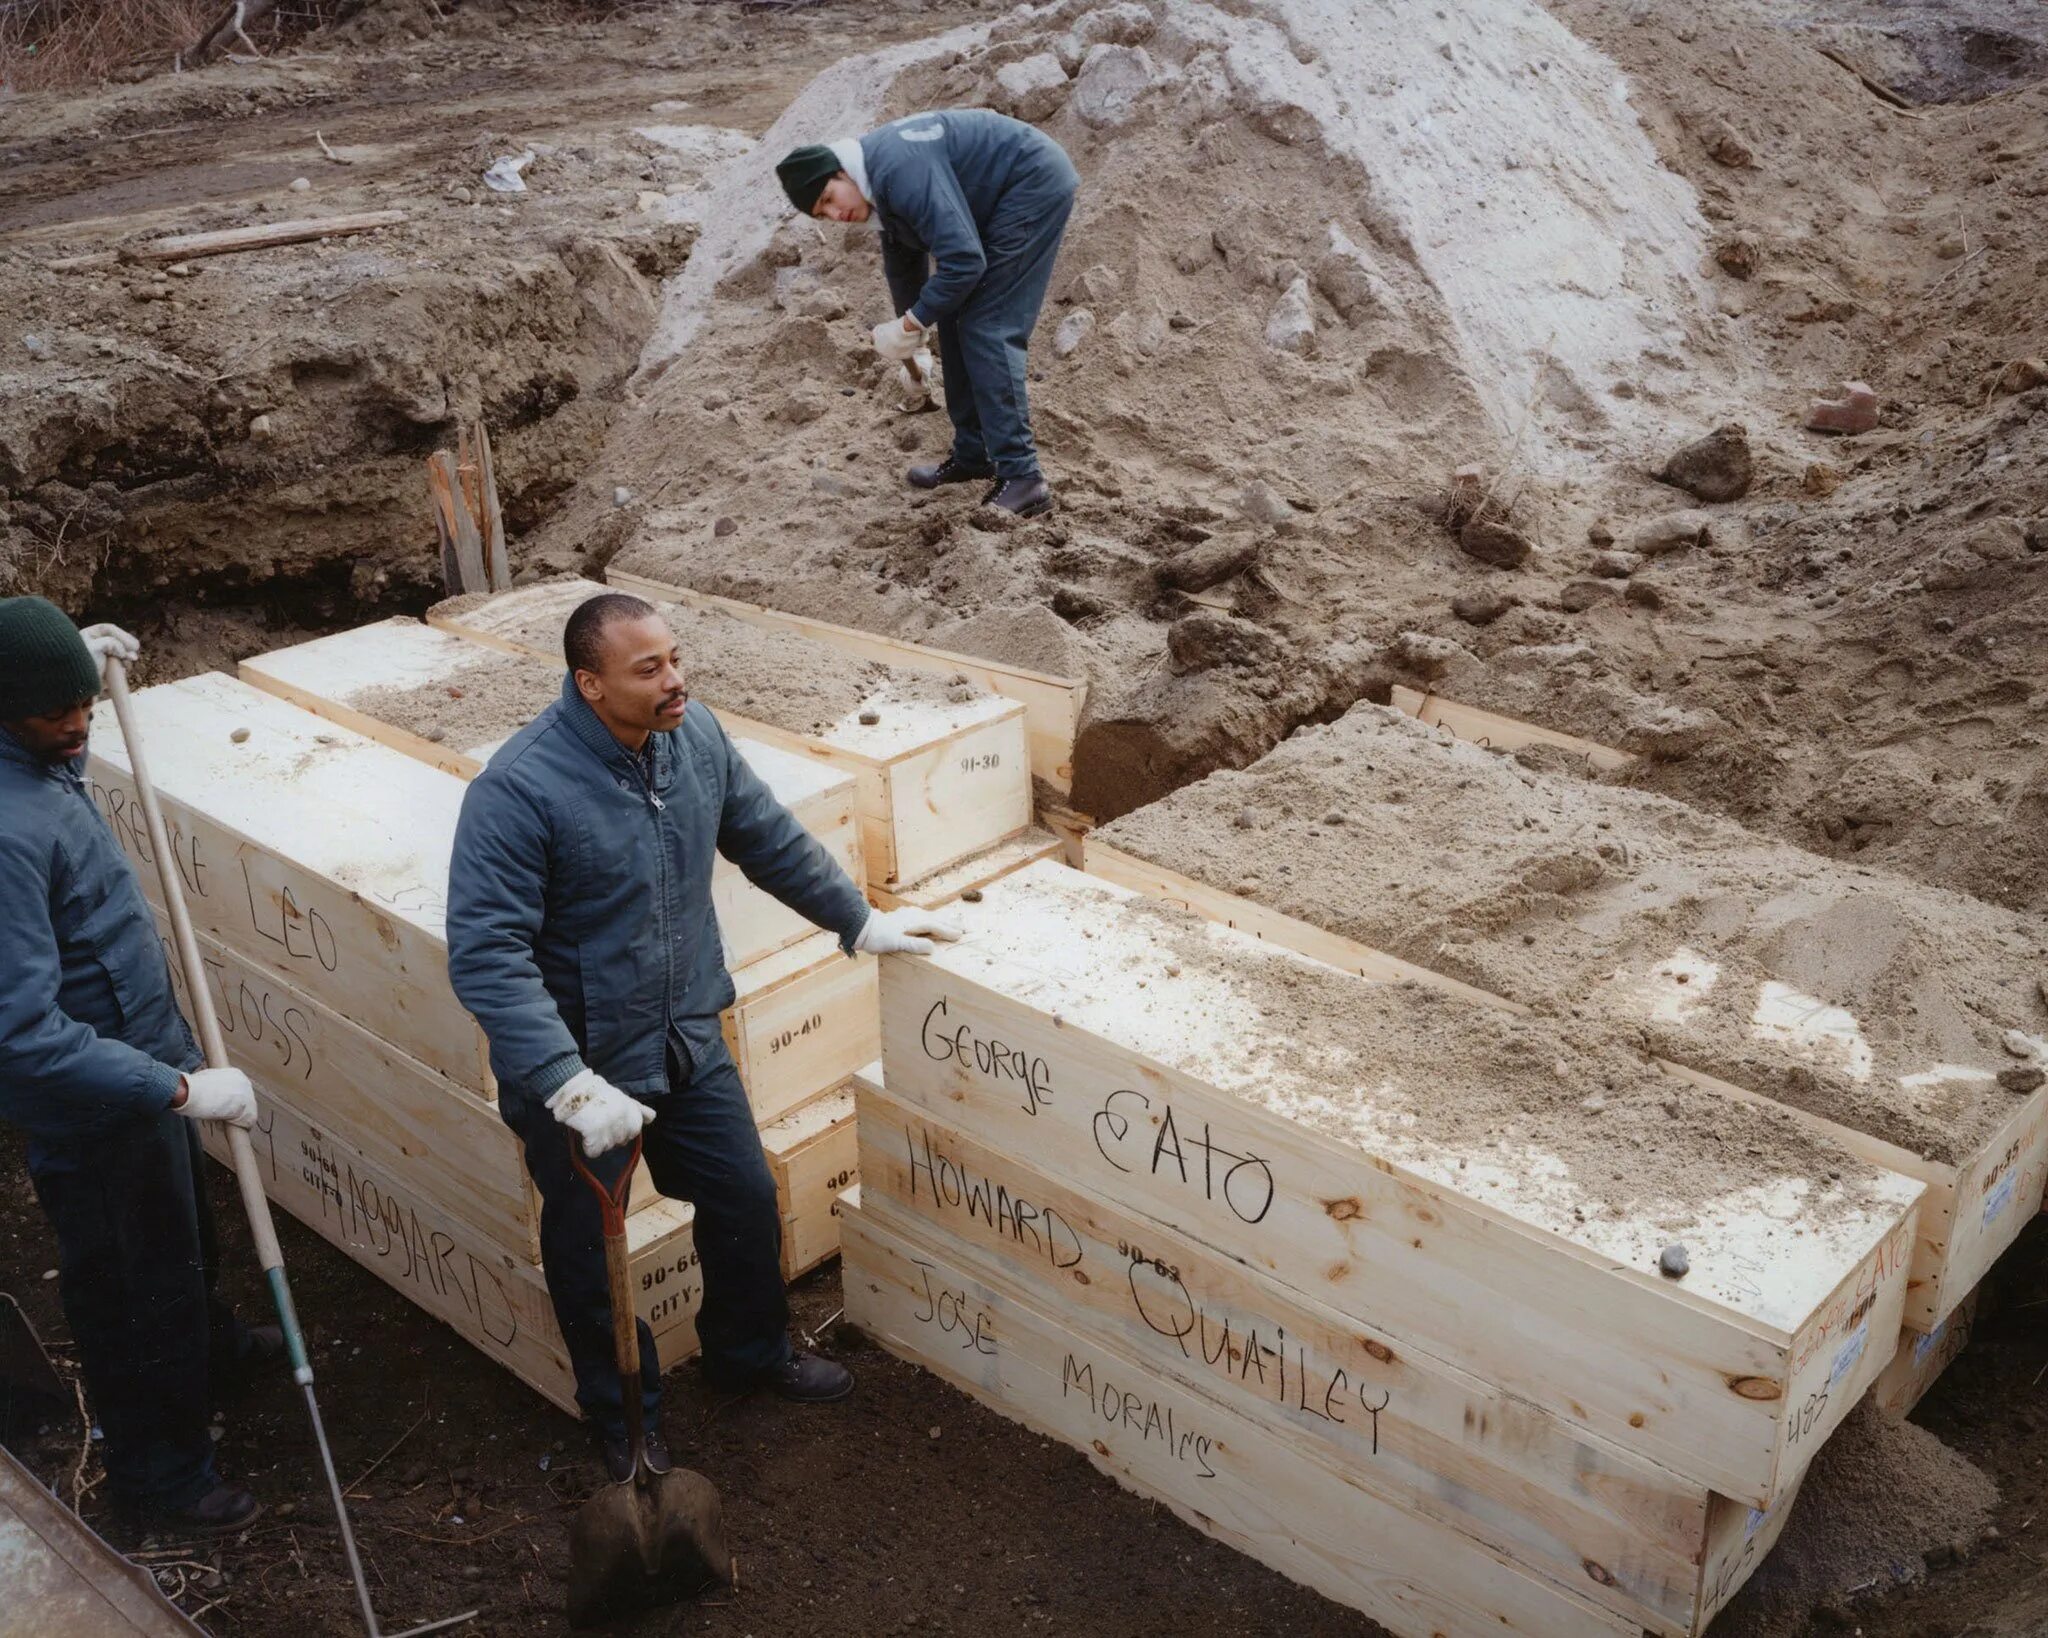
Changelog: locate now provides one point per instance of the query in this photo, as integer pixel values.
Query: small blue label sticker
(1999, 1198)
(1851, 1351)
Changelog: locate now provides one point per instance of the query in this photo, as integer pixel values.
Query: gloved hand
(217, 1094)
(896, 932)
(898, 339)
(914, 381)
(598, 1112)
(105, 642)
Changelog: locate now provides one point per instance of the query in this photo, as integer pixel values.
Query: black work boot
(222, 1511)
(1024, 497)
(809, 1380)
(618, 1456)
(951, 470)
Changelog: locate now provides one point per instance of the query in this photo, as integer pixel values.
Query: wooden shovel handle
(611, 1204)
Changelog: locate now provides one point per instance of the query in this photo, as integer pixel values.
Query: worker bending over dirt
(972, 207)
(98, 1067)
(581, 934)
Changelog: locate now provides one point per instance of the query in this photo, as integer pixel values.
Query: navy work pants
(982, 345)
(137, 1261)
(702, 1146)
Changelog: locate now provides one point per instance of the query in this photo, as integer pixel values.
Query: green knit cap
(45, 666)
(804, 173)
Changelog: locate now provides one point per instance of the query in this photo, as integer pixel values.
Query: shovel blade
(656, 1539)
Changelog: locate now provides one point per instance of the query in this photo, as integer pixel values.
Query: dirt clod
(1494, 542)
(1718, 467)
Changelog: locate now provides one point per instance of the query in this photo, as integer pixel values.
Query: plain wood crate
(322, 856)
(495, 1300)
(805, 1019)
(970, 875)
(314, 851)
(813, 1155)
(1923, 1356)
(1053, 706)
(1560, 1503)
(352, 676)
(1968, 1216)
(936, 782)
(444, 1139)
(1033, 1037)
(1216, 1469)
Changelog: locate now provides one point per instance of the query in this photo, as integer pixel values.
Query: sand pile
(1882, 1501)
(1315, 251)
(1901, 1010)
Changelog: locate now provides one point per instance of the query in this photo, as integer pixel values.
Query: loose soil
(1625, 910)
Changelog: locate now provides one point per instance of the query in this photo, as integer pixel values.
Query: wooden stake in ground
(467, 518)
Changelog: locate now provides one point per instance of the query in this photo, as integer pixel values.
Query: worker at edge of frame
(98, 1067)
(972, 206)
(582, 937)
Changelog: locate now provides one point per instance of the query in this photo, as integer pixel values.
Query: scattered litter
(506, 175)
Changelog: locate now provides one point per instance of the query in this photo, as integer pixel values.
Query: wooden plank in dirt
(1491, 729)
(938, 781)
(188, 247)
(1214, 1467)
(1421, 1432)
(495, 1301)
(391, 679)
(446, 1139)
(1056, 1032)
(1053, 705)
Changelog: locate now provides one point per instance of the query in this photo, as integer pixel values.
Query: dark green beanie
(45, 666)
(804, 173)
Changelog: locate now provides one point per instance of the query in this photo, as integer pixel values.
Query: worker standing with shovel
(972, 207)
(99, 1068)
(581, 934)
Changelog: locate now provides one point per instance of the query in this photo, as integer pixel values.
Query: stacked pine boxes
(312, 807)
(1331, 1267)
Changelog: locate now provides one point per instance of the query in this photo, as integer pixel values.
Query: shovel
(653, 1538)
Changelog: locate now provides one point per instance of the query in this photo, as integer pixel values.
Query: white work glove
(896, 932)
(217, 1094)
(598, 1112)
(899, 339)
(914, 380)
(105, 642)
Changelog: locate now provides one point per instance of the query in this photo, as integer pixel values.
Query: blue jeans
(982, 345)
(702, 1146)
(137, 1261)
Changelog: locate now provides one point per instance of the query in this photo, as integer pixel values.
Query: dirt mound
(1293, 282)
(1884, 1502)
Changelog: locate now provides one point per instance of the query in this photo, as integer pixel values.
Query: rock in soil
(1718, 467)
(1482, 608)
(1494, 543)
(1855, 411)
(1208, 563)
(1672, 532)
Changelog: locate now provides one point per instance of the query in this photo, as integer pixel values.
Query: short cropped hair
(583, 636)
